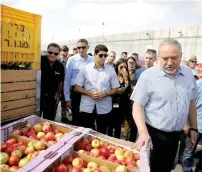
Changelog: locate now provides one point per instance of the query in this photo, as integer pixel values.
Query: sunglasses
(193, 61)
(50, 52)
(102, 55)
(121, 67)
(84, 47)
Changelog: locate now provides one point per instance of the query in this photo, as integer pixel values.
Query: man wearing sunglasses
(97, 82)
(52, 77)
(192, 65)
(74, 64)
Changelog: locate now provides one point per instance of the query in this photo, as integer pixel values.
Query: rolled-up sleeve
(80, 79)
(114, 82)
(140, 94)
(67, 82)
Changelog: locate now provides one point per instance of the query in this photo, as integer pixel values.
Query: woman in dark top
(121, 102)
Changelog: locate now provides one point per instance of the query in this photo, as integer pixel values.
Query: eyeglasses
(193, 61)
(84, 47)
(50, 52)
(121, 67)
(102, 55)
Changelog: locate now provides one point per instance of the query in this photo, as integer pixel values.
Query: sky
(72, 19)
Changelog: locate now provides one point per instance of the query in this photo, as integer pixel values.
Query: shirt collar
(179, 71)
(100, 68)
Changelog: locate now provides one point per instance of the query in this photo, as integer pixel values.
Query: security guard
(52, 77)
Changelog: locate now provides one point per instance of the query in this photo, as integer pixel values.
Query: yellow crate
(20, 37)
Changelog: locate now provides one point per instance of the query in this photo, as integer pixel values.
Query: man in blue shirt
(188, 156)
(97, 82)
(149, 59)
(74, 64)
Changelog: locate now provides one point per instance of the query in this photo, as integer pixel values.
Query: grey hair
(170, 41)
(151, 52)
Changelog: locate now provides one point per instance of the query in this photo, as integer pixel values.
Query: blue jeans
(188, 156)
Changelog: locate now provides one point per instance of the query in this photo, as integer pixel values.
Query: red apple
(22, 142)
(85, 163)
(17, 132)
(61, 168)
(112, 149)
(69, 168)
(92, 166)
(46, 128)
(34, 137)
(3, 147)
(21, 148)
(84, 143)
(77, 162)
(88, 148)
(95, 152)
(57, 131)
(29, 150)
(11, 141)
(76, 169)
(95, 143)
(17, 153)
(14, 168)
(37, 128)
(13, 161)
(68, 160)
(39, 145)
(40, 135)
(118, 162)
(105, 152)
(112, 158)
(129, 159)
(49, 136)
(131, 164)
(10, 149)
(77, 146)
(136, 156)
(43, 140)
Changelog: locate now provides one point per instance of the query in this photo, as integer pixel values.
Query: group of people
(154, 100)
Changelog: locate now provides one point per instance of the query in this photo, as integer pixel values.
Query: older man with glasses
(74, 64)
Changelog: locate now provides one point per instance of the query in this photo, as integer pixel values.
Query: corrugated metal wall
(190, 38)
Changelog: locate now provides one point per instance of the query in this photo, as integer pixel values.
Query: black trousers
(102, 121)
(164, 150)
(183, 138)
(48, 106)
(76, 99)
(115, 121)
(133, 130)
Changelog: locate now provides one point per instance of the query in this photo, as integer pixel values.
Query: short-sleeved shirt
(166, 100)
(93, 79)
(199, 105)
(51, 76)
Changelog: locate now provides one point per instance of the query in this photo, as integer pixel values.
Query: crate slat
(18, 75)
(17, 104)
(17, 113)
(5, 87)
(17, 95)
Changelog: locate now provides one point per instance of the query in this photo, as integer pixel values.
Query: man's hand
(98, 95)
(193, 138)
(144, 139)
(186, 128)
(69, 104)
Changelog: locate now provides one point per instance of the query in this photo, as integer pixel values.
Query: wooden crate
(18, 93)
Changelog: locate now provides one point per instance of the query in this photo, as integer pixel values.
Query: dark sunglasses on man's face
(84, 47)
(50, 52)
(193, 61)
(102, 55)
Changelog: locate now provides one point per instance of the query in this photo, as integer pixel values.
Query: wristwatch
(193, 129)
